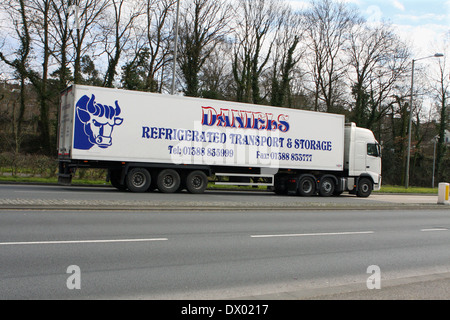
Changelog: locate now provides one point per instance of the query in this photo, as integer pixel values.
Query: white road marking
(81, 241)
(311, 234)
(434, 229)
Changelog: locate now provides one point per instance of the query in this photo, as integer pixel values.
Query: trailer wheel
(364, 188)
(326, 187)
(168, 181)
(138, 180)
(306, 186)
(196, 182)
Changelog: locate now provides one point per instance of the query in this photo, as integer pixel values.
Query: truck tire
(326, 187)
(196, 182)
(138, 180)
(364, 188)
(168, 181)
(306, 186)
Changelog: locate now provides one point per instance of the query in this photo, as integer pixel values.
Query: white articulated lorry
(151, 141)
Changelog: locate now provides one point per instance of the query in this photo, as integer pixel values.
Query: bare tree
(378, 59)
(34, 16)
(87, 35)
(118, 32)
(258, 20)
(216, 79)
(442, 93)
(158, 37)
(397, 139)
(328, 26)
(287, 55)
(204, 23)
(40, 15)
(20, 58)
(60, 38)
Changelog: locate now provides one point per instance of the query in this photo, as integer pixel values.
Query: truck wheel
(138, 180)
(364, 188)
(326, 187)
(168, 181)
(196, 182)
(306, 186)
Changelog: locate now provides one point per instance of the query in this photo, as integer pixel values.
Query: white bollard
(443, 193)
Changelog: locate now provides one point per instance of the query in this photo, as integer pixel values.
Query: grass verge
(13, 179)
(402, 189)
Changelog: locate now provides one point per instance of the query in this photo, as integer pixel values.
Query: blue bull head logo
(95, 123)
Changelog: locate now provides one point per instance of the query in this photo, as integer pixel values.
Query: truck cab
(361, 173)
(362, 159)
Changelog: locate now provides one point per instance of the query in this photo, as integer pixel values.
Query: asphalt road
(217, 254)
(101, 198)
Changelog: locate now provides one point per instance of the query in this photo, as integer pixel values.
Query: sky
(424, 24)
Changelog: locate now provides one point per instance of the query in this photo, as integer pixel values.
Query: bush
(40, 166)
(28, 165)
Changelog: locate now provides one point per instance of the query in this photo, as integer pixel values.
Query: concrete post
(443, 193)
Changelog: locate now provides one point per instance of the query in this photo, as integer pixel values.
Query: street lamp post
(408, 155)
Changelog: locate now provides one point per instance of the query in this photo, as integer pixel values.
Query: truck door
(359, 163)
(373, 159)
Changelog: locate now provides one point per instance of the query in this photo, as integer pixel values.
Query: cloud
(424, 17)
(300, 5)
(398, 5)
(357, 2)
(374, 14)
(425, 39)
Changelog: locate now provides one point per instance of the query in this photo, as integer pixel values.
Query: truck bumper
(377, 185)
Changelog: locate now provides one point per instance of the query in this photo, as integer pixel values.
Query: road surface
(217, 254)
(57, 197)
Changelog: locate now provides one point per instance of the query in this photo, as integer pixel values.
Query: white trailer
(151, 141)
